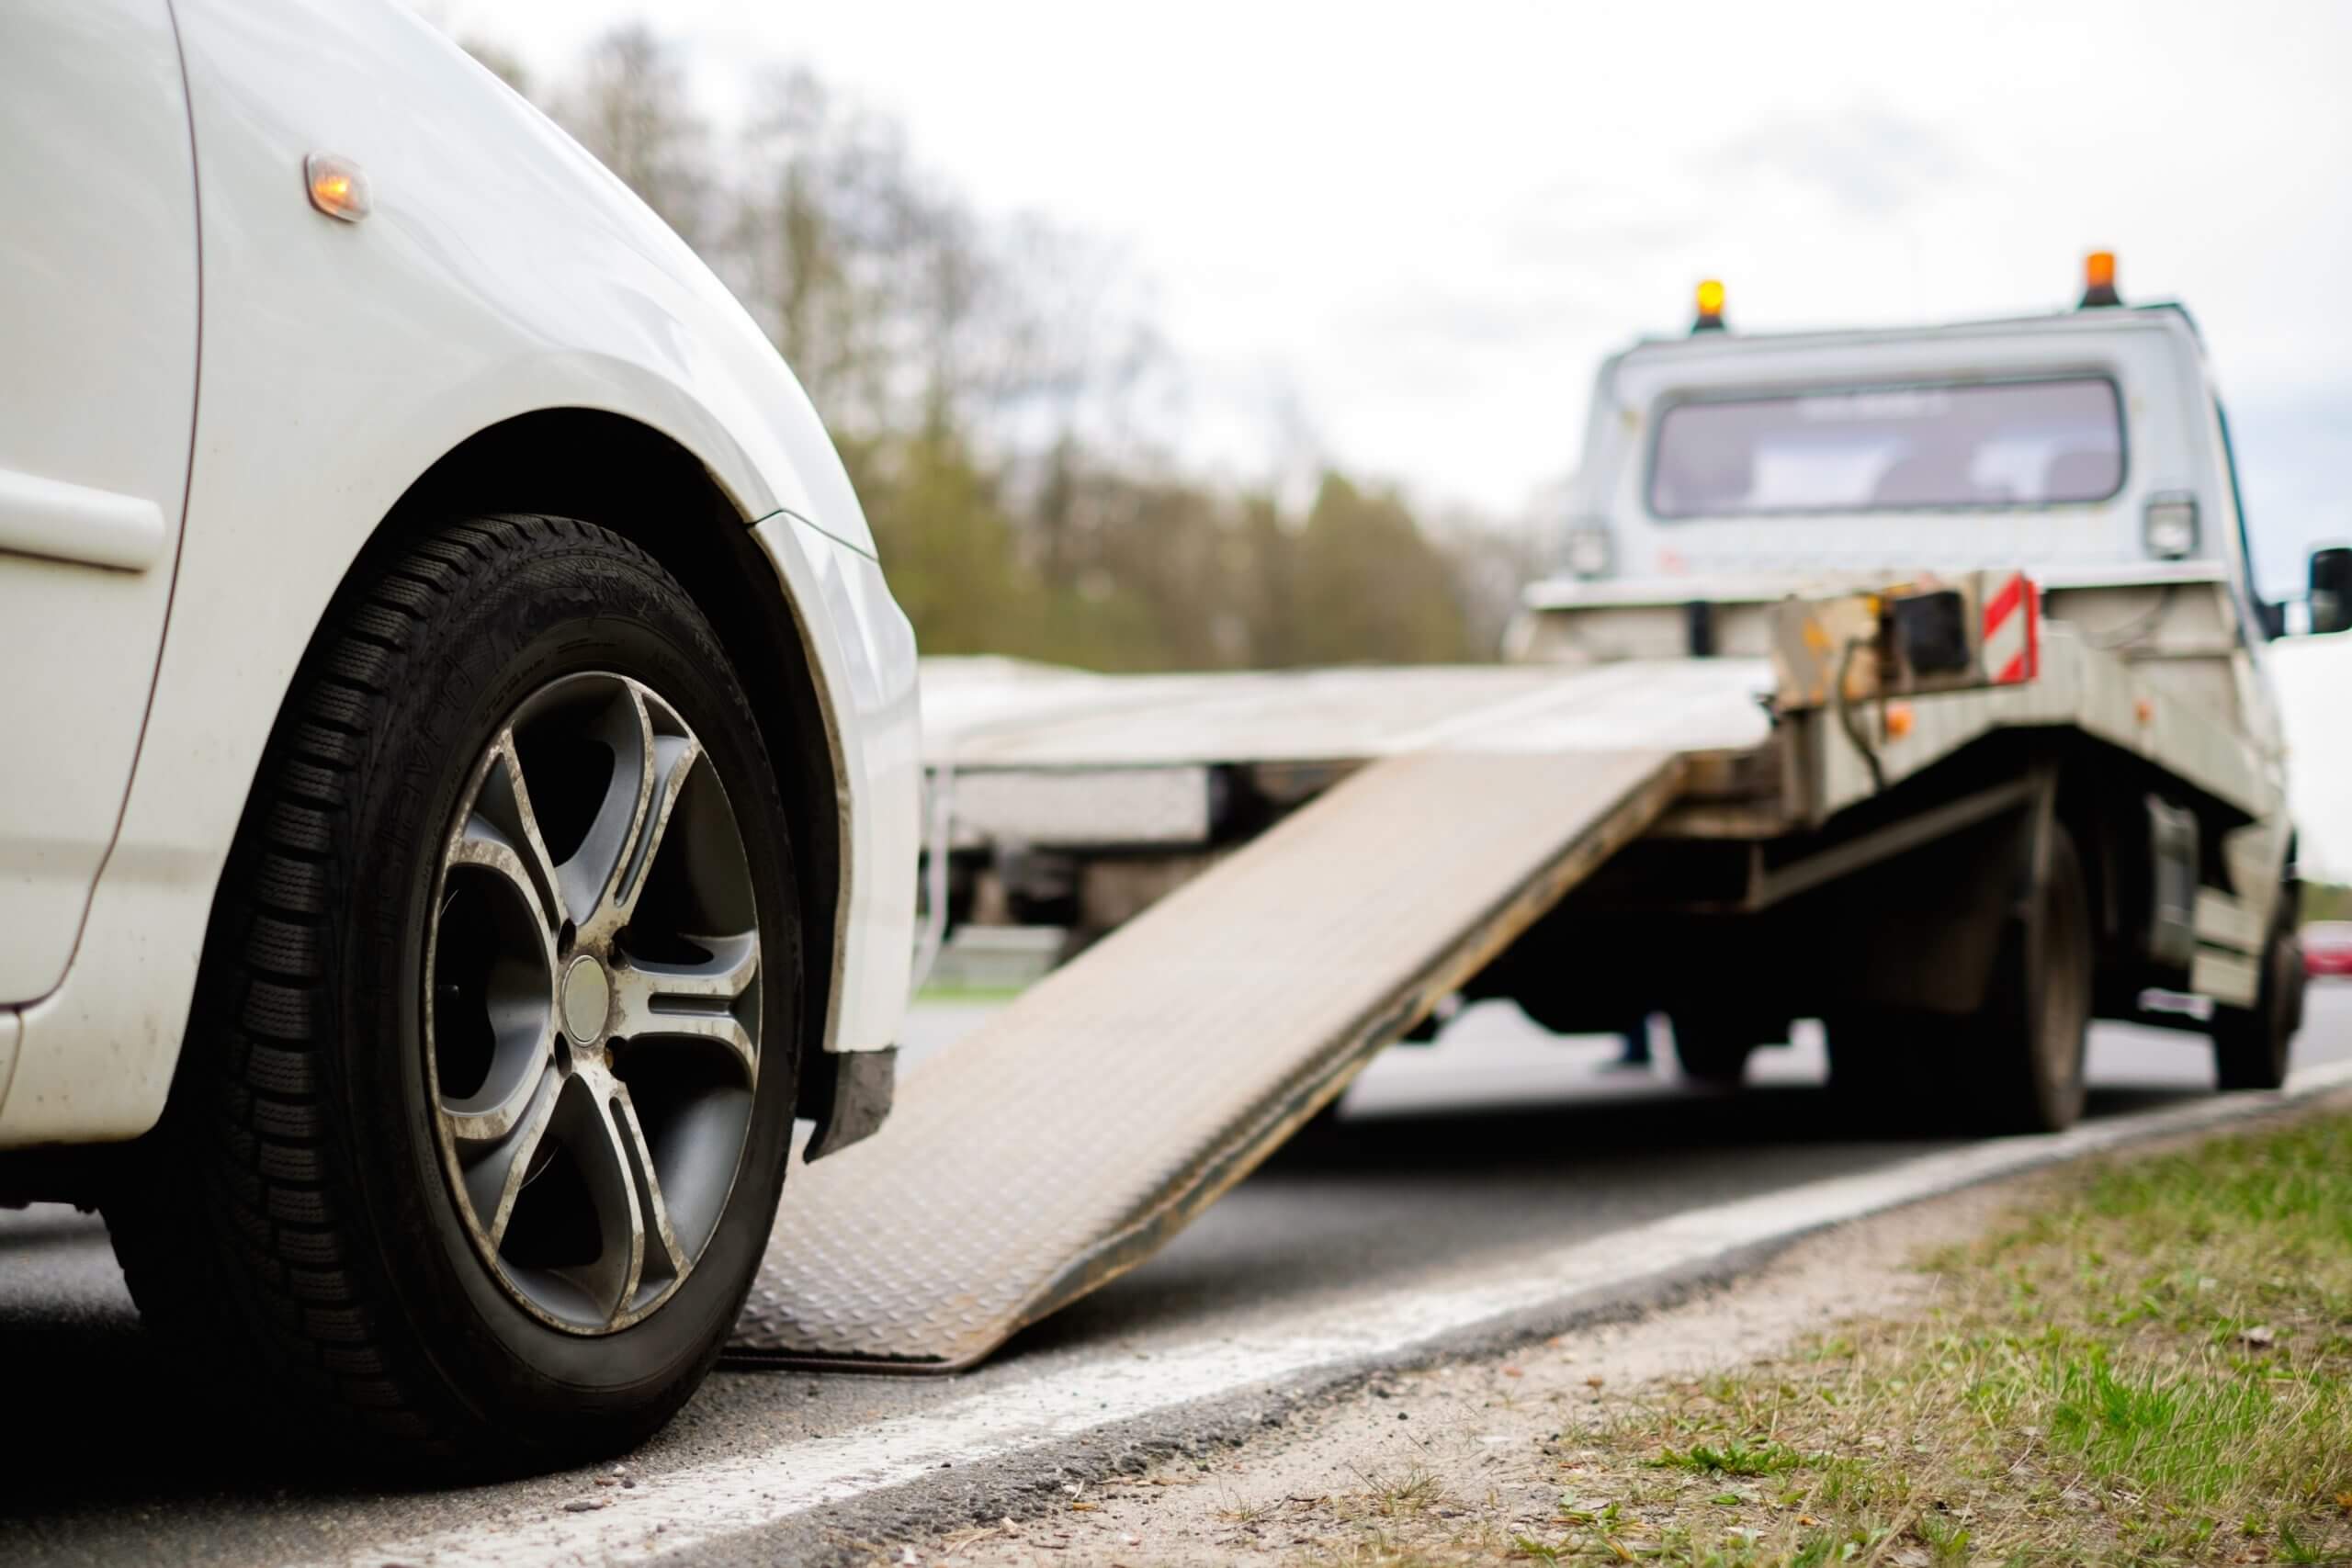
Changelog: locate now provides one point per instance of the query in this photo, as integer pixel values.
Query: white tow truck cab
(2087, 442)
(2088, 449)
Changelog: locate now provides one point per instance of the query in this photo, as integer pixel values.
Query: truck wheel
(1714, 1048)
(2029, 1038)
(2251, 1044)
(483, 1116)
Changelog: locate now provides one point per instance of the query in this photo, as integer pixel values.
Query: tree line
(991, 384)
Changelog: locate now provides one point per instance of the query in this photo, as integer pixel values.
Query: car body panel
(502, 271)
(98, 390)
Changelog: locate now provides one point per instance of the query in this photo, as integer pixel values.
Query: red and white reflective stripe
(2012, 647)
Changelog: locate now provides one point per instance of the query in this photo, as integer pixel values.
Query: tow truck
(1910, 680)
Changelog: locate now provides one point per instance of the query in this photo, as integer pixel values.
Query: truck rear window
(1881, 448)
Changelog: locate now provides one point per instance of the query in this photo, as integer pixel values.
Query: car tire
(2251, 1045)
(2026, 1043)
(305, 1218)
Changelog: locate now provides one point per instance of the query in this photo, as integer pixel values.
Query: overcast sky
(1418, 226)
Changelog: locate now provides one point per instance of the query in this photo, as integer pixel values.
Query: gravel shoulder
(1567, 1450)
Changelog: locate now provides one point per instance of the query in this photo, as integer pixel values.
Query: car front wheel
(483, 1112)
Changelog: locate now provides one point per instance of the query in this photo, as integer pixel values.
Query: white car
(459, 764)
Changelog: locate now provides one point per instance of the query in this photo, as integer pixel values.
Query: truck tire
(481, 1118)
(2251, 1044)
(2026, 1042)
(1714, 1048)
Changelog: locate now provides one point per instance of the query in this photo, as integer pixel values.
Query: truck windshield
(1876, 448)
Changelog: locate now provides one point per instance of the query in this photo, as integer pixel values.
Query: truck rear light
(2169, 527)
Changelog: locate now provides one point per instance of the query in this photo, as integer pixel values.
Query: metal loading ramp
(1077, 1132)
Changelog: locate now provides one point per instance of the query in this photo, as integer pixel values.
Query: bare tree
(630, 105)
(1491, 562)
(987, 380)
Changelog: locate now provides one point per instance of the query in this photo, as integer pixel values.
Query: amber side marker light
(336, 186)
(2098, 280)
(1710, 318)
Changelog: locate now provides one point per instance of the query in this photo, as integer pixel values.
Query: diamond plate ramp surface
(1079, 1130)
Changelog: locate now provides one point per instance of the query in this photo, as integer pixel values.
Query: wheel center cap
(587, 998)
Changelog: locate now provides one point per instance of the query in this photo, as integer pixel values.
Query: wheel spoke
(674, 757)
(505, 800)
(496, 1149)
(661, 1254)
(651, 761)
(655, 1001)
(627, 732)
(604, 1151)
(473, 1121)
(480, 843)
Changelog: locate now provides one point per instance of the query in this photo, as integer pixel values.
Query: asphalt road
(1497, 1142)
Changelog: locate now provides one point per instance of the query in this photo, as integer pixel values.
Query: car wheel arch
(642, 483)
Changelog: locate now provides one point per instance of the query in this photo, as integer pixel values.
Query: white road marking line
(672, 1513)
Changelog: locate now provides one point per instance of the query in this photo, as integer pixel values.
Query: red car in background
(2327, 948)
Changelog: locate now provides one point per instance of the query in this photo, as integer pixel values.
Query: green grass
(2149, 1361)
(1735, 1458)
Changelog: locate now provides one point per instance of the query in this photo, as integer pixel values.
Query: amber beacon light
(2098, 280)
(1710, 318)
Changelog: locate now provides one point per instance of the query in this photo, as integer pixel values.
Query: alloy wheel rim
(592, 1004)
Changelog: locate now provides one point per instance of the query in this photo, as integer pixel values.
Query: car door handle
(73, 523)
